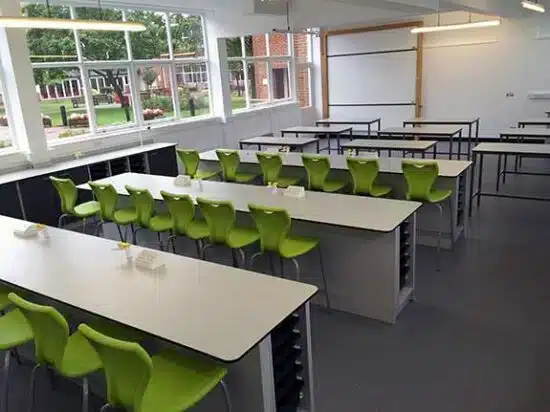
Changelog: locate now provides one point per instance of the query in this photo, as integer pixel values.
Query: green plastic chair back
(190, 159)
(126, 365)
(50, 329)
(363, 172)
(317, 168)
(229, 161)
(273, 225)
(420, 178)
(143, 203)
(67, 192)
(271, 164)
(107, 197)
(220, 217)
(182, 210)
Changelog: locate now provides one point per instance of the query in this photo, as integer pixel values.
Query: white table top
(519, 148)
(331, 120)
(525, 131)
(216, 310)
(280, 141)
(446, 120)
(317, 129)
(389, 144)
(537, 120)
(366, 213)
(81, 161)
(447, 168)
(424, 130)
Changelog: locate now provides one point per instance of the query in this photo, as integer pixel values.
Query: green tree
(153, 42)
(187, 34)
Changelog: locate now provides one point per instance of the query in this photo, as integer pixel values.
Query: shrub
(155, 102)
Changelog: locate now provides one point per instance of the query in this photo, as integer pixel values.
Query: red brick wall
(302, 82)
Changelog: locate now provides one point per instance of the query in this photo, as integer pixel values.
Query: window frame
(11, 134)
(131, 65)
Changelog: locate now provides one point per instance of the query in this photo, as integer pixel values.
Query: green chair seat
(241, 236)
(87, 209)
(438, 195)
(205, 174)
(125, 216)
(285, 181)
(79, 357)
(364, 172)
(160, 223)
(294, 246)
(14, 330)
(380, 190)
(191, 162)
(333, 185)
(243, 177)
(177, 383)
(4, 301)
(197, 229)
(271, 165)
(118, 331)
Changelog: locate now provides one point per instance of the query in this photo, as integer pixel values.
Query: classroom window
(258, 83)
(123, 74)
(280, 79)
(237, 85)
(6, 139)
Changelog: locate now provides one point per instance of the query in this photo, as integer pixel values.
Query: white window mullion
(127, 39)
(293, 75)
(175, 91)
(134, 90)
(269, 83)
(246, 88)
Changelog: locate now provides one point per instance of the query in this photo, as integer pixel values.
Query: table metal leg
(423, 154)
(480, 179)
(450, 147)
(469, 141)
(368, 128)
(498, 172)
(477, 131)
(435, 150)
(472, 179)
(240, 146)
(259, 148)
(459, 154)
(318, 148)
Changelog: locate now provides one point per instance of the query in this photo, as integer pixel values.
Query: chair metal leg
(327, 299)
(228, 406)
(16, 355)
(84, 221)
(170, 239)
(7, 358)
(105, 407)
(99, 228)
(439, 233)
(159, 238)
(60, 220)
(297, 266)
(85, 394)
(203, 251)
(199, 247)
(271, 265)
(234, 257)
(31, 387)
(281, 261)
(243, 257)
(122, 237)
(134, 234)
(252, 258)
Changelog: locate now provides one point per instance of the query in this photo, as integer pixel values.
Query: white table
(292, 142)
(337, 131)
(470, 122)
(219, 311)
(354, 122)
(367, 230)
(516, 149)
(405, 146)
(542, 121)
(520, 135)
(428, 132)
(453, 175)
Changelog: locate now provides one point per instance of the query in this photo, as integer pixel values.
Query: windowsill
(263, 107)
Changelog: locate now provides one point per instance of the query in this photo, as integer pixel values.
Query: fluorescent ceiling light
(67, 24)
(531, 5)
(447, 27)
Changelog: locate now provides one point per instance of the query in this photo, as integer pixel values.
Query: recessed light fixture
(534, 6)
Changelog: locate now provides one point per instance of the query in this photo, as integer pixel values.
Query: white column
(20, 88)
(219, 73)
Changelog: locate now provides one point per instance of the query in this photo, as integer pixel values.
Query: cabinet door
(163, 162)
(9, 201)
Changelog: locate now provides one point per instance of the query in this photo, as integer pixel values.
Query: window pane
(257, 83)
(102, 45)
(50, 45)
(155, 92)
(62, 102)
(302, 84)
(301, 45)
(278, 44)
(255, 46)
(236, 85)
(234, 48)
(153, 42)
(280, 79)
(113, 105)
(187, 36)
(5, 135)
(193, 90)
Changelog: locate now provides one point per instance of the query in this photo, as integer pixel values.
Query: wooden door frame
(391, 26)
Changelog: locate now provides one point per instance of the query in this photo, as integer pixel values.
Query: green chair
(271, 165)
(363, 173)
(68, 194)
(420, 177)
(220, 217)
(14, 332)
(107, 196)
(184, 223)
(191, 161)
(318, 168)
(165, 382)
(147, 218)
(274, 228)
(69, 355)
(229, 161)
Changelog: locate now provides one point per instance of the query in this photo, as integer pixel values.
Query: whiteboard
(371, 41)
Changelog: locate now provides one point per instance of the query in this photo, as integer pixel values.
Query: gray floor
(477, 338)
